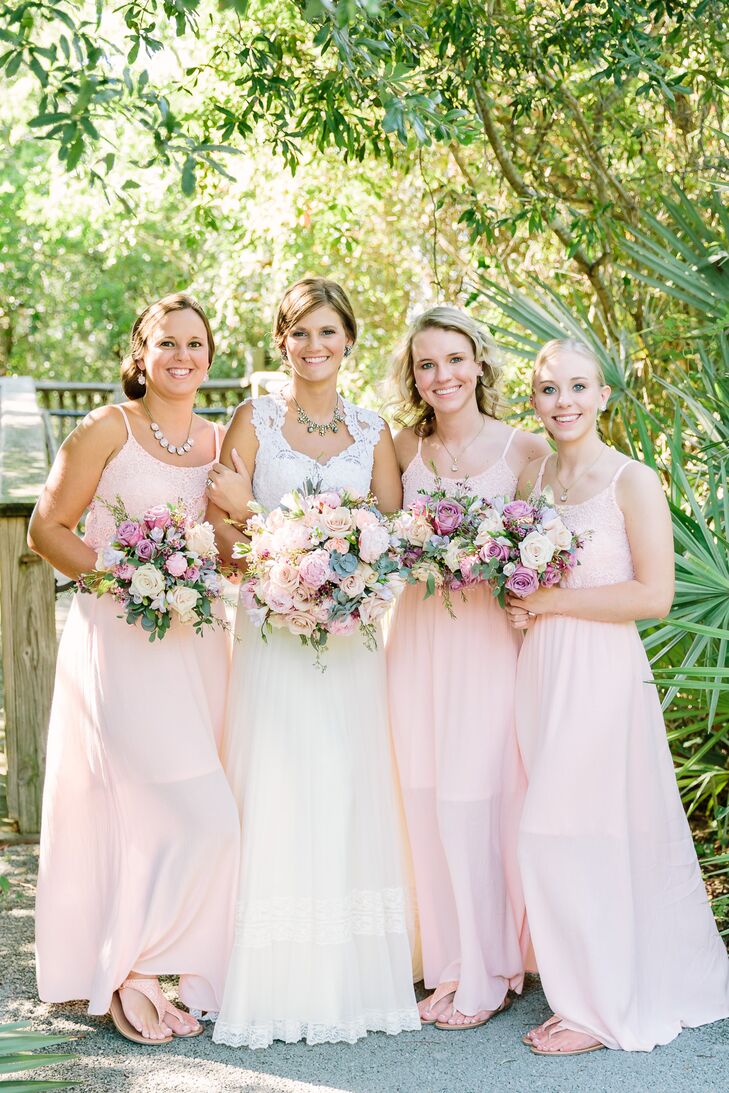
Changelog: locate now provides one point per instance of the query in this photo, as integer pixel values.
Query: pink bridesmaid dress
(139, 840)
(451, 691)
(626, 944)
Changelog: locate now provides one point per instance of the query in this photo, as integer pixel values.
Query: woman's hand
(521, 610)
(518, 616)
(231, 490)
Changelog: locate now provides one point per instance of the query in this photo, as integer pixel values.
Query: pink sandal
(440, 994)
(151, 990)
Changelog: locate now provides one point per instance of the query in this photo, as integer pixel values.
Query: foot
(565, 1041)
(458, 1019)
(181, 1022)
(436, 1007)
(542, 1030)
(141, 1015)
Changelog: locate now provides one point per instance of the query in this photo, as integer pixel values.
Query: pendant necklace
(566, 489)
(322, 428)
(174, 449)
(455, 458)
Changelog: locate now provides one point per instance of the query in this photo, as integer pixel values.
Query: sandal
(505, 1005)
(442, 993)
(558, 1027)
(123, 1025)
(528, 1037)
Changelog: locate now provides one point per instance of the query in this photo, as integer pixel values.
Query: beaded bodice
(605, 557)
(141, 481)
(280, 468)
(498, 480)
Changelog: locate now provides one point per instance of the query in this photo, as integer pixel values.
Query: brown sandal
(466, 1025)
(123, 1025)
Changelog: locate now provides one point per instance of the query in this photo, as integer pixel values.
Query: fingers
(238, 463)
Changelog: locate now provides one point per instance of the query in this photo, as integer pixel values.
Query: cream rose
(201, 540)
(490, 525)
(182, 600)
(354, 584)
(338, 522)
(452, 556)
(300, 622)
(558, 533)
(147, 581)
(284, 576)
(420, 531)
(373, 542)
(536, 550)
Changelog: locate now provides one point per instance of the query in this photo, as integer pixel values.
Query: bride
(321, 949)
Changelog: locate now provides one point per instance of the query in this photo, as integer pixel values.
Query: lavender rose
(158, 516)
(523, 582)
(129, 533)
(495, 549)
(519, 512)
(447, 517)
(145, 549)
(551, 576)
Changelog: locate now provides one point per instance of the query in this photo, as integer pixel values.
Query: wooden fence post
(27, 601)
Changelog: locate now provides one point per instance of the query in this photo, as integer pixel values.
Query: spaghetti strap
(616, 476)
(123, 413)
(512, 434)
(217, 441)
(538, 483)
(420, 445)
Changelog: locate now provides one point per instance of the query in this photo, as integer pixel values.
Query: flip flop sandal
(123, 1025)
(440, 994)
(526, 1038)
(559, 1027)
(505, 1005)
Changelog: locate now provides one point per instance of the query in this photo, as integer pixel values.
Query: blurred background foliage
(554, 166)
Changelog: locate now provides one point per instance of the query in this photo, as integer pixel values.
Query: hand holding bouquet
(159, 567)
(321, 563)
(525, 545)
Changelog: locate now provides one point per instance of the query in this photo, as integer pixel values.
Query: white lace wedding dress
(321, 949)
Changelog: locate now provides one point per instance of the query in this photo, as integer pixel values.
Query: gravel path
(489, 1059)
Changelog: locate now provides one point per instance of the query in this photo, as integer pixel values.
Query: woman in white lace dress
(321, 948)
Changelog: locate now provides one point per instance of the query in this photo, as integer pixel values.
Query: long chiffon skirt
(625, 940)
(451, 688)
(140, 833)
(321, 948)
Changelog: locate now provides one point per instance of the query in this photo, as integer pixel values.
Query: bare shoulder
(102, 430)
(406, 445)
(638, 483)
(528, 477)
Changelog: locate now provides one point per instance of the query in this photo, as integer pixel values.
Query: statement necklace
(455, 458)
(164, 442)
(323, 428)
(566, 489)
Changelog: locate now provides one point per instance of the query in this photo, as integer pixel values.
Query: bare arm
(649, 594)
(386, 480)
(240, 436)
(70, 489)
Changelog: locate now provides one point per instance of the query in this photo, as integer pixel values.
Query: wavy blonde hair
(410, 409)
(143, 325)
(557, 346)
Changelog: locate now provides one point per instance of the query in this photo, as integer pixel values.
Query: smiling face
(176, 356)
(445, 369)
(567, 395)
(315, 345)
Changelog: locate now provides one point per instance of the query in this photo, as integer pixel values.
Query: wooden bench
(27, 601)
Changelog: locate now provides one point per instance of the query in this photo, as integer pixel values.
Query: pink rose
(447, 517)
(248, 596)
(466, 567)
(363, 518)
(522, 581)
(144, 549)
(158, 516)
(314, 569)
(340, 545)
(176, 564)
(374, 540)
(129, 533)
(124, 572)
(551, 576)
(331, 499)
(192, 573)
(343, 626)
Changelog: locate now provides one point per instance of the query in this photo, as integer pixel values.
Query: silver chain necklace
(573, 483)
(174, 449)
(322, 428)
(455, 458)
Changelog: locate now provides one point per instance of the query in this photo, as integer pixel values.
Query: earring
(284, 356)
(141, 379)
(347, 350)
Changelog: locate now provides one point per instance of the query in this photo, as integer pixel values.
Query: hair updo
(143, 325)
(411, 409)
(306, 295)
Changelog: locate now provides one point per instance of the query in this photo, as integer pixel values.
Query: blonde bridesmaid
(625, 941)
(451, 688)
(139, 841)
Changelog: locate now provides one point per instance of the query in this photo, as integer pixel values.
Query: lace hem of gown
(262, 1035)
(330, 921)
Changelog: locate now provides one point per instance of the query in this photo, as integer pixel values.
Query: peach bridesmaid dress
(451, 691)
(139, 840)
(627, 947)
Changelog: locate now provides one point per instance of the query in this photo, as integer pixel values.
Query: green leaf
(188, 176)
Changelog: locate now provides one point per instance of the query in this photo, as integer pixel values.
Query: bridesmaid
(139, 841)
(625, 940)
(451, 688)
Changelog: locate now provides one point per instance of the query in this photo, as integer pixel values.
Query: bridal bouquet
(159, 567)
(321, 563)
(439, 537)
(525, 545)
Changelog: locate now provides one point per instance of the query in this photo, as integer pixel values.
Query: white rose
(509, 568)
(354, 584)
(182, 599)
(420, 531)
(424, 569)
(337, 522)
(491, 524)
(201, 540)
(300, 622)
(147, 581)
(452, 555)
(107, 558)
(536, 550)
(558, 533)
(373, 542)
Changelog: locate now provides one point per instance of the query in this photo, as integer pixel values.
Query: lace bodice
(498, 480)
(280, 468)
(605, 558)
(141, 480)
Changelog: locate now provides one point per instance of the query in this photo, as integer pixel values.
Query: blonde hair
(143, 324)
(411, 409)
(306, 295)
(558, 346)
